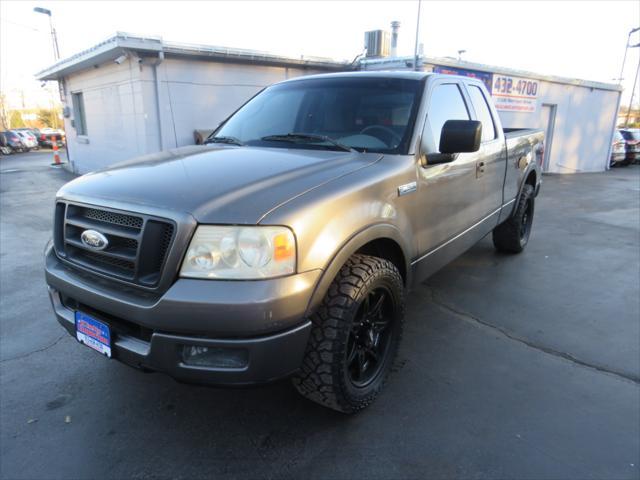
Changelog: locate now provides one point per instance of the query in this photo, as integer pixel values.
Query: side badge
(407, 188)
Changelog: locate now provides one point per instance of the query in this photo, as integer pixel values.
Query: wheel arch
(531, 176)
(531, 179)
(381, 240)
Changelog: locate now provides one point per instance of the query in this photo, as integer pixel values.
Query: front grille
(137, 244)
(112, 217)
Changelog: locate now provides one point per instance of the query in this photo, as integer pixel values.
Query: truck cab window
(446, 103)
(367, 114)
(483, 113)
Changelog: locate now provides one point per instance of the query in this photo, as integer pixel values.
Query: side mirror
(460, 136)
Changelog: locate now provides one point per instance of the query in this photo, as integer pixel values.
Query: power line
(22, 25)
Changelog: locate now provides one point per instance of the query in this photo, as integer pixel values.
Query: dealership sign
(514, 94)
(484, 76)
(510, 94)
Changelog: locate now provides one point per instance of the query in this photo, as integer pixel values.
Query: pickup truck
(48, 136)
(285, 246)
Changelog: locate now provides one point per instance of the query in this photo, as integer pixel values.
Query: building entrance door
(548, 122)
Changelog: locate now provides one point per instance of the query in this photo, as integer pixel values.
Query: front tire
(513, 235)
(354, 337)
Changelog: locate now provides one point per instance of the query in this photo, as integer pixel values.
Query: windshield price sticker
(513, 94)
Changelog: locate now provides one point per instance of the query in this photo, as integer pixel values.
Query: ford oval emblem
(94, 240)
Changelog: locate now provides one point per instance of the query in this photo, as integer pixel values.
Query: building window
(79, 119)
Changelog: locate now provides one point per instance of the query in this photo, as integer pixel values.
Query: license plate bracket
(93, 333)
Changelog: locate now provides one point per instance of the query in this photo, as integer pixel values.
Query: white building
(130, 96)
(578, 116)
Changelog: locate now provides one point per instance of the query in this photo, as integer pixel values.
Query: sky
(576, 39)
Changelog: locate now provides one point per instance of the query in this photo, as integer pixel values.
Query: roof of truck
(411, 75)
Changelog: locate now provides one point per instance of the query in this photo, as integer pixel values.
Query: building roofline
(395, 62)
(120, 43)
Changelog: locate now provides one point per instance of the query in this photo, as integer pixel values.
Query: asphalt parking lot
(512, 366)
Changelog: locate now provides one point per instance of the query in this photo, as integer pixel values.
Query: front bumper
(618, 156)
(265, 319)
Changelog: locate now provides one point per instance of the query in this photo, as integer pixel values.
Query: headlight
(240, 253)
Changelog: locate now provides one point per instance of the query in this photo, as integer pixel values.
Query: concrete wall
(121, 106)
(583, 125)
(114, 112)
(199, 94)
(584, 121)
(122, 110)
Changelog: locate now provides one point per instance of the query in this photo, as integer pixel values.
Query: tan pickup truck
(284, 246)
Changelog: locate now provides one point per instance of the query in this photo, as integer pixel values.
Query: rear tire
(354, 336)
(513, 235)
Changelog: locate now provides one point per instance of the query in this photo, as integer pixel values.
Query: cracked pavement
(521, 366)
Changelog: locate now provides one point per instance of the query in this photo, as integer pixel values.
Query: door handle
(480, 169)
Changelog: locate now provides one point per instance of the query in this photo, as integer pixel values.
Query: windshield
(366, 114)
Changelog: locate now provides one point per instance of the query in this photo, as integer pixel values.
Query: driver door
(448, 193)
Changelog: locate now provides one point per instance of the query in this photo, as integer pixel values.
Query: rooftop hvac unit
(377, 43)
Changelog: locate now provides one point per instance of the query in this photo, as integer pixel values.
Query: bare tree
(4, 116)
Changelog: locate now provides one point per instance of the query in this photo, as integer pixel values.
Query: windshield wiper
(307, 138)
(227, 140)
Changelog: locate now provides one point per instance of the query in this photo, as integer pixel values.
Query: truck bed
(516, 132)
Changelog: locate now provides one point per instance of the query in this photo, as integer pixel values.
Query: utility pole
(633, 93)
(415, 50)
(626, 48)
(54, 36)
(56, 55)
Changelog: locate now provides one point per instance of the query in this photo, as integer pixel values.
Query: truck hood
(216, 184)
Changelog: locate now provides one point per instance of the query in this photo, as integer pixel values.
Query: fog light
(215, 357)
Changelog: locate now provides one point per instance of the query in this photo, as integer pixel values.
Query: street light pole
(633, 91)
(626, 48)
(415, 50)
(54, 36)
(56, 55)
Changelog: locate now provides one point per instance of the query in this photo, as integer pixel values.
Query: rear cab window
(483, 112)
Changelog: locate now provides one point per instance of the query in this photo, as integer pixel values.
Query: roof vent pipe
(395, 26)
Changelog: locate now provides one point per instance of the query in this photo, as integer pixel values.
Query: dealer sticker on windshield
(93, 333)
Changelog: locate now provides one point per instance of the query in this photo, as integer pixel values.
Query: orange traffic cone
(56, 155)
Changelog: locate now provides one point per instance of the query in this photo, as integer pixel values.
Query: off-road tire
(324, 376)
(509, 236)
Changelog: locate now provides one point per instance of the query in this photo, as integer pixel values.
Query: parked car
(49, 135)
(14, 141)
(5, 149)
(285, 246)
(632, 139)
(618, 151)
(28, 140)
(33, 131)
